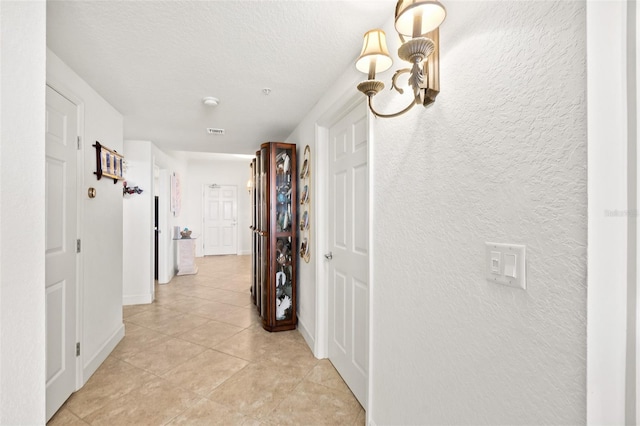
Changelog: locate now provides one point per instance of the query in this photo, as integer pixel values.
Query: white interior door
(348, 272)
(220, 219)
(61, 225)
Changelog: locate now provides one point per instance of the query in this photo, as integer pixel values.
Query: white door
(220, 219)
(61, 224)
(349, 245)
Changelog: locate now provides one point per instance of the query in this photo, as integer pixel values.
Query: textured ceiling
(154, 61)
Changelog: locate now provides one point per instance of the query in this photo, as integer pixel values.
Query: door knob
(329, 256)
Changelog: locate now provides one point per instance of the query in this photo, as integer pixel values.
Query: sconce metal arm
(377, 114)
(394, 80)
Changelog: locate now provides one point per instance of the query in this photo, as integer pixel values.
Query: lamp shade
(425, 15)
(374, 53)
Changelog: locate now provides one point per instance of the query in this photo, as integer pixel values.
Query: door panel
(340, 306)
(340, 205)
(360, 210)
(214, 206)
(360, 329)
(60, 254)
(220, 220)
(349, 244)
(55, 184)
(228, 234)
(227, 210)
(55, 299)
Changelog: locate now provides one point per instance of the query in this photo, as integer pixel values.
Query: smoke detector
(213, 131)
(211, 101)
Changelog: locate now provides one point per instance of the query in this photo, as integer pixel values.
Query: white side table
(187, 256)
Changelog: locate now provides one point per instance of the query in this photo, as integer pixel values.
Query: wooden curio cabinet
(274, 235)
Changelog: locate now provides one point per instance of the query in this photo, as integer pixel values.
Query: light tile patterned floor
(199, 356)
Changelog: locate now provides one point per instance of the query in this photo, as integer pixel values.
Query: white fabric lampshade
(430, 14)
(374, 48)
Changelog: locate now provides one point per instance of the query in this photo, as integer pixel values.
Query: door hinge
(78, 349)
(78, 246)
(79, 143)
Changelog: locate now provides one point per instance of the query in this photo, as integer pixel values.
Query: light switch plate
(512, 264)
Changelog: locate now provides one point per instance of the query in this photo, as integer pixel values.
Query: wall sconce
(417, 23)
(249, 185)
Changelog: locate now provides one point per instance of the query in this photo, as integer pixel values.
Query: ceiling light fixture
(417, 23)
(211, 101)
(266, 91)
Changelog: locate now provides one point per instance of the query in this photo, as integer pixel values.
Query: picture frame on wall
(109, 163)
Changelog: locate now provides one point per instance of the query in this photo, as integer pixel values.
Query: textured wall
(22, 204)
(500, 157)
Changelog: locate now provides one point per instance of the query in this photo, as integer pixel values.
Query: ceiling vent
(213, 131)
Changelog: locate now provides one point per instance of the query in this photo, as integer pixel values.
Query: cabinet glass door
(284, 279)
(284, 241)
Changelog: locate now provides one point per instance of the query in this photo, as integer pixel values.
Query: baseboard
(308, 337)
(244, 253)
(139, 299)
(102, 354)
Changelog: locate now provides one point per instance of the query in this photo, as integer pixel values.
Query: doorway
(348, 249)
(220, 219)
(62, 246)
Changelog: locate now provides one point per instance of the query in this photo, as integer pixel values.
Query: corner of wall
(607, 314)
(308, 336)
(22, 206)
(99, 356)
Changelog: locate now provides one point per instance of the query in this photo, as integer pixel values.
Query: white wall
(608, 232)
(501, 156)
(22, 204)
(168, 164)
(138, 226)
(222, 170)
(100, 221)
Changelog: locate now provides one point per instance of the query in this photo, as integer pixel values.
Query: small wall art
(176, 195)
(108, 163)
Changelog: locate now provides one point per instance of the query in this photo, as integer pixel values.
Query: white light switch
(506, 264)
(510, 265)
(495, 262)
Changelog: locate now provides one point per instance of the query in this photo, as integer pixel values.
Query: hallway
(198, 355)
